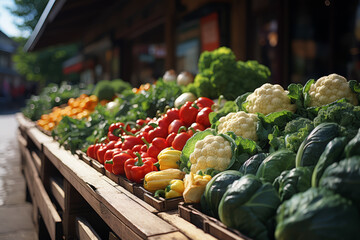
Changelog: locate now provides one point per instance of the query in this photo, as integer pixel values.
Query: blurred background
(85, 41)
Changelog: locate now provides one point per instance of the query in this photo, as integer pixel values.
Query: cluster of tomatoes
(133, 150)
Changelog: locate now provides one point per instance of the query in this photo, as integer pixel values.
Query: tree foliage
(44, 66)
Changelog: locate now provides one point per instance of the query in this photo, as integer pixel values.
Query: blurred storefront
(139, 40)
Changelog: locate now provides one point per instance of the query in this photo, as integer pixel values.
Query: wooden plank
(85, 231)
(37, 161)
(169, 236)
(185, 227)
(58, 192)
(21, 140)
(24, 123)
(98, 167)
(112, 236)
(38, 137)
(75, 206)
(113, 206)
(113, 177)
(48, 212)
(136, 199)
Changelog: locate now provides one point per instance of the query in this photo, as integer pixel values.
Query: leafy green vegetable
(317, 214)
(51, 96)
(220, 74)
(344, 178)
(293, 135)
(353, 147)
(251, 165)
(216, 188)
(272, 122)
(274, 164)
(248, 205)
(343, 113)
(245, 148)
(104, 91)
(314, 145)
(119, 85)
(293, 181)
(333, 153)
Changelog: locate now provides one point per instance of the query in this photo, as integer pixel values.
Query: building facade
(139, 40)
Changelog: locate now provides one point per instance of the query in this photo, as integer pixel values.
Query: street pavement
(15, 212)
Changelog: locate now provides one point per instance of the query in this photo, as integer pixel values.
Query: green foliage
(275, 164)
(344, 178)
(293, 181)
(104, 90)
(343, 113)
(44, 66)
(119, 85)
(220, 74)
(317, 214)
(30, 11)
(333, 153)
(315, 143)
(353, 147)
(251, 165)
(248, 205)
(51, 96)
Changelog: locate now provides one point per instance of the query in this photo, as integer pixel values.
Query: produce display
(268, 161)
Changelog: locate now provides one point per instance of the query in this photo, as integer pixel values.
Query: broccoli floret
(343, 113)
(104, 90)
(293, 135)
(296, 124)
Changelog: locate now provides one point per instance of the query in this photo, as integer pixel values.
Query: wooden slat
(85, 231)
(38, 137)
(48, 212)
(21, 140)
(185, 227)
(112, 236)
(98, 167)
(58, 192)
(113, 206)
(169, 236)
(37, 161)
(24, 123)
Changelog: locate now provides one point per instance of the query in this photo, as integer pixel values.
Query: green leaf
(306, 90)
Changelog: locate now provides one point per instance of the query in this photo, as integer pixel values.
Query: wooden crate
(192, 213)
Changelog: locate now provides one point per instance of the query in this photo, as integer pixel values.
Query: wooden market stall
(72, 198)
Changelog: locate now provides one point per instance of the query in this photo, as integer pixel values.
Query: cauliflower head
(328, 89)
(269, 98)
(211, 152)
(241, 123)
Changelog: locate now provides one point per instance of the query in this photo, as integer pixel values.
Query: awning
(64, 22)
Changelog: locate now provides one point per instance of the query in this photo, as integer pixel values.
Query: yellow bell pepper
(160, 179)
(194, 187)
(168, 158)
(174, 189)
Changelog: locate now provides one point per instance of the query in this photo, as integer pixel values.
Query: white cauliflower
(211, 152)
(241, 123)
(269, 98)
(330, 88)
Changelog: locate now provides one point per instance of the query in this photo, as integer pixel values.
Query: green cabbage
(317, 214)
(249, 205)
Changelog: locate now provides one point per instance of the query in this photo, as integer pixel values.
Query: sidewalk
(15, 213)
